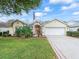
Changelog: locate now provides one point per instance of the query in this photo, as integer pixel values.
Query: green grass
(32, 48)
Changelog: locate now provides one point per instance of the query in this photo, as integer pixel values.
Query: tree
(17, 6)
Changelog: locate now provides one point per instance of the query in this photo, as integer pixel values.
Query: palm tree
(17, 6)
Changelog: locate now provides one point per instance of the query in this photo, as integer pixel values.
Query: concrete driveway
(65, 47)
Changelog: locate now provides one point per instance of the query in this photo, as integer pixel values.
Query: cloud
(47, 9)
(76, 13)
(38, 14)
(73, 5)
(60, 1)
(54, 1)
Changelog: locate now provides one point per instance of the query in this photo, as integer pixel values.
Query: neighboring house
(74, 25)
(74, 28)
(11, 26)
(3, 27)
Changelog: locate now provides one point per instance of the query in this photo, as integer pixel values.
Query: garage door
(54, 31)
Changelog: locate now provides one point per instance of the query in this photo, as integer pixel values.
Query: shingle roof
(16, 21)
(64, 22)
(73, 23)
(9, 23)
(3, 24)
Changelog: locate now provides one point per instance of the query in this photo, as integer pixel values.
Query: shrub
(9, 34)
(27, 31)
(18, 32)
(69, 33)
(0, 33)
(73, 34)
(78, 29)
(6, 33)
(24, 31)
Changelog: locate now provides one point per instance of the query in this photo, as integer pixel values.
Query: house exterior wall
(11, 31)
(15, 25)
(33, 30)
(55, 24)
(3, 29)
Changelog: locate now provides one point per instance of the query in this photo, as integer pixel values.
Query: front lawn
(32, 48)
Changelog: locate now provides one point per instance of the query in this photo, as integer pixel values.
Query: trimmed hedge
(73, 34)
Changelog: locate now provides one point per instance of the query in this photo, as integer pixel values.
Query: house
(11, 26)
(73, 25)
(55, 27)
(3, 27)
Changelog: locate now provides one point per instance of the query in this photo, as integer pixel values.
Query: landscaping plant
(24, 31)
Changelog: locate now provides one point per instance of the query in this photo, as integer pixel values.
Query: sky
(65, 10)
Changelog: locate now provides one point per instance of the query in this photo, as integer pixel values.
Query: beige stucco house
(14, 25)
(11, 26)
(55, 27)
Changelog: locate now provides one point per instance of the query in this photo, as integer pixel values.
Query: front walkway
(65, 47)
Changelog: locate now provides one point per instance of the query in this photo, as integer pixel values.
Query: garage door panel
(54, 31)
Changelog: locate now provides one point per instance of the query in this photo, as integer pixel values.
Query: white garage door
(54, 31)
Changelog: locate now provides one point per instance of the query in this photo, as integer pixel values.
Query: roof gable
(55, 23)
(9, 23)
(17, 21)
